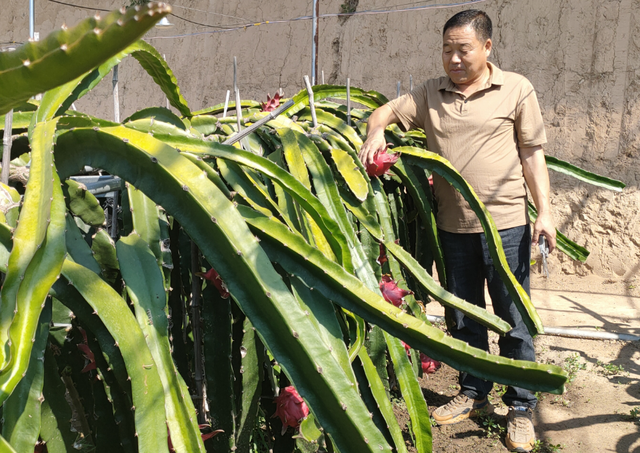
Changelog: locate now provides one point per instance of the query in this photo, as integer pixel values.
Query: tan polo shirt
(480, 136)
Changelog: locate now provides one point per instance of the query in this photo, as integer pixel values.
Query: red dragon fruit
(271, 104)
(429, 366)
(214, 278)
(382, 162)
(391, 292)
(291, 408)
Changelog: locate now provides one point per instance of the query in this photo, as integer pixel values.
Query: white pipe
(593, 335)
(574, 333)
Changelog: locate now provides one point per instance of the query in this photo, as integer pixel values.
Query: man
(488, 124)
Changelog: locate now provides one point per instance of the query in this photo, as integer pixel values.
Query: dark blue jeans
(468, 265)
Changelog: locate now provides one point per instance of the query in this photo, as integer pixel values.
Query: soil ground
(600, 409)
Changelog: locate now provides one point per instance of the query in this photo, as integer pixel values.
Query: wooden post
(312, 105)
(6, 147)
(116, 99)
(348, 101)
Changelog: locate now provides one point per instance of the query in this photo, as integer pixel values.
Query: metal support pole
(237, 93)
(410, 82)
(32, 19)
(322, 77)
(398, 90)
(238, 110)
(235, 74)
(314, 46)
(6, 147)
(348, 101)
(116, 98)
(246, 131)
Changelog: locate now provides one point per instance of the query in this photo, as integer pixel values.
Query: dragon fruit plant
(313, 287)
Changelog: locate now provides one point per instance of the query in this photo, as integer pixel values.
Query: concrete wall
(581, 55)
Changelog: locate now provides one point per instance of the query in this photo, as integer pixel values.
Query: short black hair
(478, 20)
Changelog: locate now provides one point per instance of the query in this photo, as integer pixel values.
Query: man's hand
(378, 122)
(544, 225)
(536, 174)
(373, 144)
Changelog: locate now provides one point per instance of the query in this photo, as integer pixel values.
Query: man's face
(464, 56)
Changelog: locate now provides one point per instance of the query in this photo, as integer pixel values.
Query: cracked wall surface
(583, 57)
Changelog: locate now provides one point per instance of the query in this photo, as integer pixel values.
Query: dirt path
(600, 410)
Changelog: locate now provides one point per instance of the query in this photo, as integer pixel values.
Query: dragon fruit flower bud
(382, 162)
(391, 292)
(291, 408)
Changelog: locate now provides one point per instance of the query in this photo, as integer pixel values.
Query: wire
(211, 12)
(79, 6)
(198, 23)
(321, 16)
(244, 26)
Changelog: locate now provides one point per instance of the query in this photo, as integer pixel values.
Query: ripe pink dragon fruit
(271, 104)
(214, 278)
(382, 162)
(391, 292)
(291, 408)
(429, 366)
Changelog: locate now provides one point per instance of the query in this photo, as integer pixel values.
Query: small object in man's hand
(544, 251)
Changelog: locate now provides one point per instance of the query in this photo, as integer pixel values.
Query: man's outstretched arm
(378, 122)
(536, 175)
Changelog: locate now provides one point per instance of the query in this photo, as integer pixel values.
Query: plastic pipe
(573, 333)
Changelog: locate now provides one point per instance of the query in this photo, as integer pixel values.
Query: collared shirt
(480, 136)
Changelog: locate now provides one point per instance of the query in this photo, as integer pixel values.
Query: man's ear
(488, 45)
